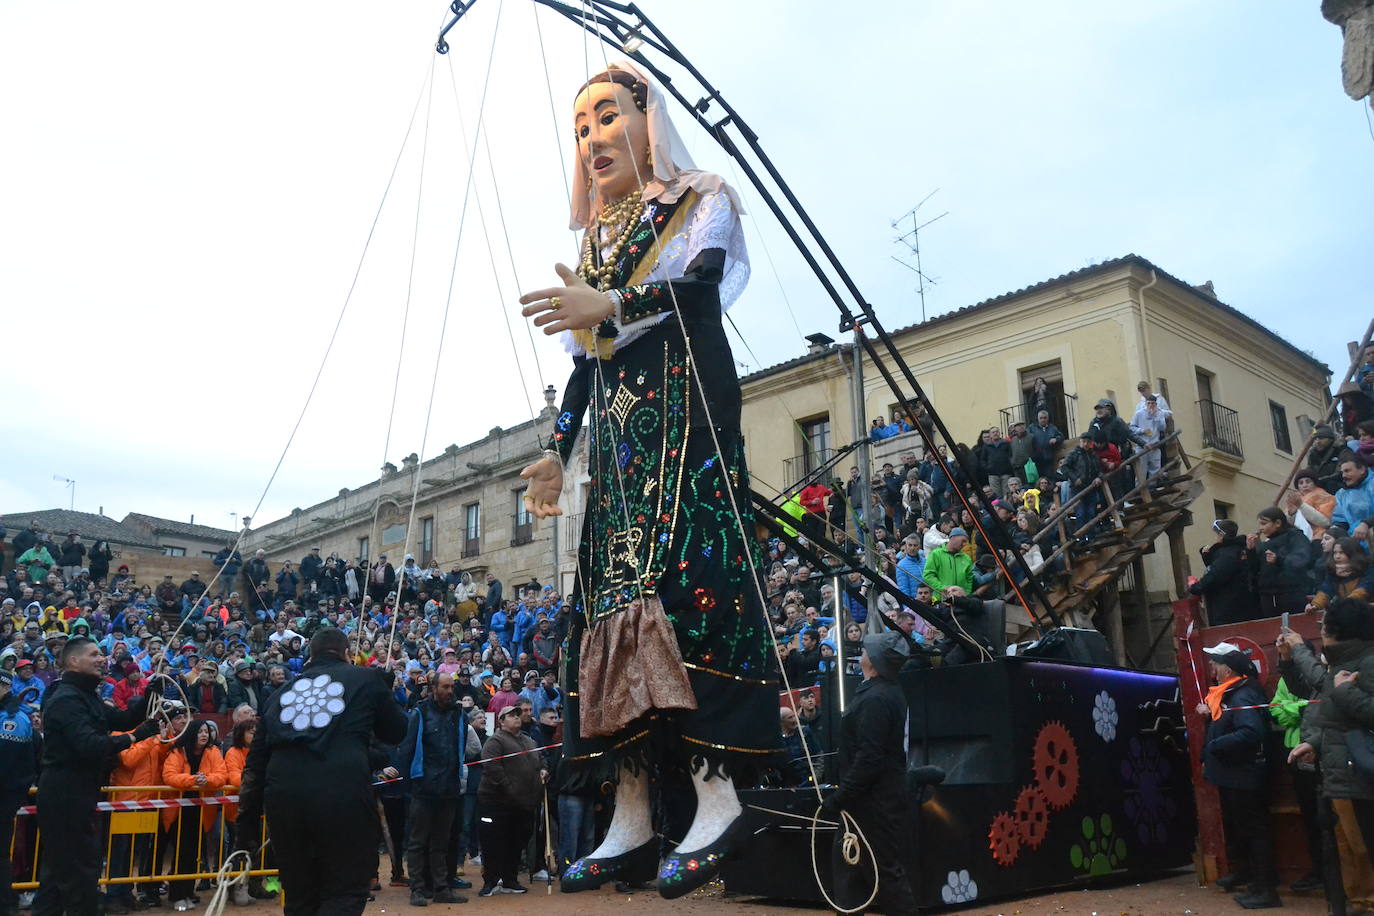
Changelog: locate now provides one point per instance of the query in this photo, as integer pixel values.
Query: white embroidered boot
(630, 850)
(697, 858)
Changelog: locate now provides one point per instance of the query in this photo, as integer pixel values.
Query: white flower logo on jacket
(1104, 716)
(312, 702)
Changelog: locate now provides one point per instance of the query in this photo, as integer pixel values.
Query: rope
(224, 882)
(329, 348)
(491, 255)
(443, 329)
(401, 347)
(161, 708)
(849, 851)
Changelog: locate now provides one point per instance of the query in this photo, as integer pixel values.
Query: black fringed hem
(657, 748)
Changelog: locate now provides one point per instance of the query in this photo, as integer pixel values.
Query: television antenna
(911, 240)
(71, 485)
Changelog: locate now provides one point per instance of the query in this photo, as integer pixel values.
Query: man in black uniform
(308, 767)
(78, 751)
(872, 761)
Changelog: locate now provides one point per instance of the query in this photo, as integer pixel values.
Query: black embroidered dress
(669, 648)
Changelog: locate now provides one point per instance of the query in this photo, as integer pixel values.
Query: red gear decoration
(1004, 840)
(1056, 765)
(1032, 815)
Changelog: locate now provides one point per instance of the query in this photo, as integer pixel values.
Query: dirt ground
(1174, 895)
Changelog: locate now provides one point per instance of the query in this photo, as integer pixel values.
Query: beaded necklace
(624, 214)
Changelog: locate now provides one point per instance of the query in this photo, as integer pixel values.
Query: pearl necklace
(625, 214)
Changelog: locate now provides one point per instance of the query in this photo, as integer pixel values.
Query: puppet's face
(612, 140)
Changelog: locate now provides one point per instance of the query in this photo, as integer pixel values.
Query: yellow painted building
(1243, 398)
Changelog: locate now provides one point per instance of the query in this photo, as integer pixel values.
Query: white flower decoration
(1104, 716)
(312, 702)
(959, 888)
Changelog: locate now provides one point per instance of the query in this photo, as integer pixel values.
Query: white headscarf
(673, 174)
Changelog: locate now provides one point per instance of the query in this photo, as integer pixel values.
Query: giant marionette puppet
(671, 669)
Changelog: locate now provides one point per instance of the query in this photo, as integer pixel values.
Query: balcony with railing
(1063, 410)
(797, 467)
(472, 546)
(1221, 445)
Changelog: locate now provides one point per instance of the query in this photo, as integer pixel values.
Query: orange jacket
(140, 765)
(234, 759)
(176, 772)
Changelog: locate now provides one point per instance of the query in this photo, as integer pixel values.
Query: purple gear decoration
(1144, 774)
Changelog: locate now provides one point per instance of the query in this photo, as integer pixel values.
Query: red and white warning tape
(150, 804)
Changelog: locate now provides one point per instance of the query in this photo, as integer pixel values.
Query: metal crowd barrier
(139, 850)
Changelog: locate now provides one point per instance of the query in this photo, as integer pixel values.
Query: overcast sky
(185, 190)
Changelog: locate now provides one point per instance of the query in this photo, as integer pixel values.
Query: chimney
(193, 518)
(818, 343)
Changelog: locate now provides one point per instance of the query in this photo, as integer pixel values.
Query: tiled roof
(90, 526)
(1081, 273)
(183, 529)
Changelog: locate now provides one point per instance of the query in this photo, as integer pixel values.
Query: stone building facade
(1243, 398)
(468, 513)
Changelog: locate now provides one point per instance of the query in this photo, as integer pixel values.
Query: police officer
(77, 753)
(872, 763)
(308, 768)
(18, 764)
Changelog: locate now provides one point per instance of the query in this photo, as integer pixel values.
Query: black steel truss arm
(625, 27)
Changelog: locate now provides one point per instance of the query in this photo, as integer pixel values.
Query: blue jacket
(523, 623)
(501, 623)
(18, 749)
(1354, 505)
(909, 572)
(433, 751)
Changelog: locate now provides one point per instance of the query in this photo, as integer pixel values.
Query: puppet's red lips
(600, 162)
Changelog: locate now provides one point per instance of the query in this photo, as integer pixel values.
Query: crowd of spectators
(230, 645)
(492, 653)
(1308, 555)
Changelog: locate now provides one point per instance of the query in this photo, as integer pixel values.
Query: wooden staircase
(1096, 552)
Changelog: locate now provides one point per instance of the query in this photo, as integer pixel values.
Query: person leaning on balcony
(1279, 558)
(1225, 587)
